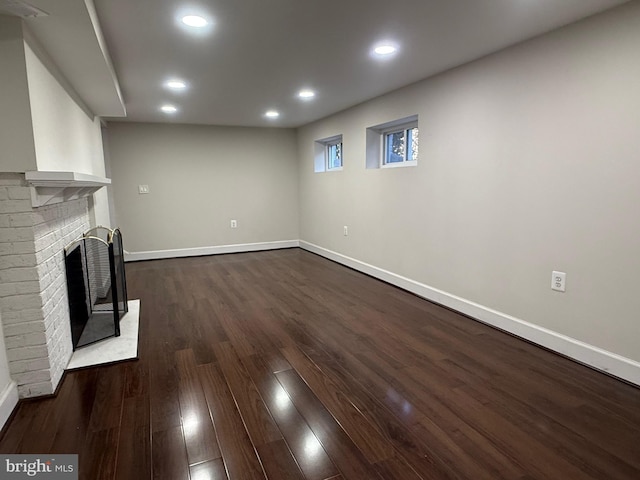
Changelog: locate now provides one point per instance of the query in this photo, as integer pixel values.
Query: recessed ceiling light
(272, 114)
(168, 108)
(385, 49)
(194, 21)
(175, 84)
(306, 94)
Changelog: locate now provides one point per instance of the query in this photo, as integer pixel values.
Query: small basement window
(328, 154)
(393, 144)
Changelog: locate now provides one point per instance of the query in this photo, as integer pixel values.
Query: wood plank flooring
(284, 365)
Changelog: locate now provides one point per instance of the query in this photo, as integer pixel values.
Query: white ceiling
(259, 53)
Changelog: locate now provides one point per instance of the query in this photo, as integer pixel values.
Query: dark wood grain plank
(211, 470)
(343, 452)
(410, 449)
(278, 462)
(305, 446)
(260, 426)
(237, 450)
(78, 414)
(19, 427)
(199, 434)
(163, 378)
(169, 455)
(134, 441)
(395, 468)
(136, 379)
(364, 434)
(232, 326)
(107, 406)
(98, 460)
(205, 332)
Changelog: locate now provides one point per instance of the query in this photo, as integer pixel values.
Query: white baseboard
(198, 251)
(595, 357)
(8, 401)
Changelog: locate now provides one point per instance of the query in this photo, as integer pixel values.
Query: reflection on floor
(114, 349)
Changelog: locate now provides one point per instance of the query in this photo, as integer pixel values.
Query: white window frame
(404, 128)
(327, 154)
(375, 142)
(321, 154)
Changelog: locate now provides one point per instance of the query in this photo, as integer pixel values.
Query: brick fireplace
(35, 226)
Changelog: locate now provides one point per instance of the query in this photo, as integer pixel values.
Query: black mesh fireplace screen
(96, 285)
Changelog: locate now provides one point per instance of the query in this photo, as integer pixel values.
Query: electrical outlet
(558, 281)
(234, 224)
(346, 231)
(142, 189)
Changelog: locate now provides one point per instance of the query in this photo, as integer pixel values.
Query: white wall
(201, 177)
(529, 162)
(17, 153)
(66, 138)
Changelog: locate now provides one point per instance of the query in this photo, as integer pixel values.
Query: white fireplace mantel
(55, 187)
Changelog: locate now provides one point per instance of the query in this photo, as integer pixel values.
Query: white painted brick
(43, 269)
(56, 374)
(16, 248)
(53, 281)
(46, 253)
(12, 179)
(19, 274)
(35, 390)
(45, 281)
(20, 288)
(21, 302)
(21, 219)
(47, 308)
(45, 241)
(20, 316)
(49, 230)
(26, 340)
(19, 193)
(15, 206)
(52, 292)
(27, 353)
(24, 328)
(4, 193)
(22, 366)
(43, 229)
(8, 290)
(18, 261)
(16, 234)
(53, 320)
(37, 376)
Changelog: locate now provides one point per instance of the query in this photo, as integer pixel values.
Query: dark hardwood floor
(284, 365)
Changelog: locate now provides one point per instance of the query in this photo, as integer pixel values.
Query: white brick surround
(33, 292)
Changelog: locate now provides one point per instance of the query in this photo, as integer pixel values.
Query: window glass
(395, 147)
(334, 156)
(401, 146)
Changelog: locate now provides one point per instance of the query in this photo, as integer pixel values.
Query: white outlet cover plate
(558, 281)
(142, 189)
